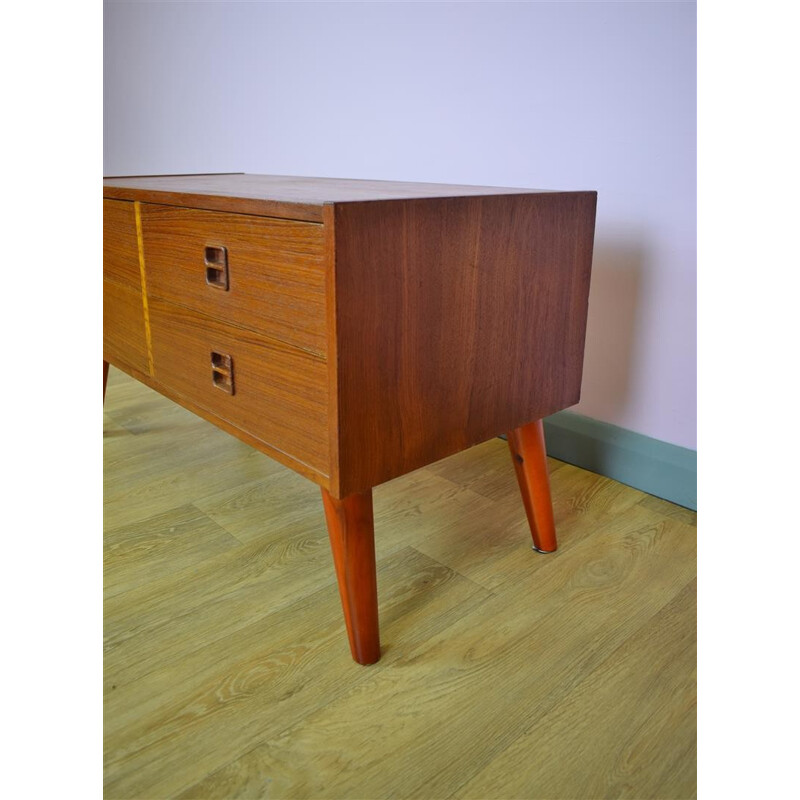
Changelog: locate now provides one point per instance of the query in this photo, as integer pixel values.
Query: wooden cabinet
(353, 330)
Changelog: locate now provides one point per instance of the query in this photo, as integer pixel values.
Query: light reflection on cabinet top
(280, 195)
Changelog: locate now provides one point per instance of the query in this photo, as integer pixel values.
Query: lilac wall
(547, 95)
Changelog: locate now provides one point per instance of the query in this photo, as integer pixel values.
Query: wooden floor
(505, 673)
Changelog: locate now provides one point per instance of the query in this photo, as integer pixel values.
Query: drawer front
(120, 248)
(279, 393)
(257, 272)
(124, 338)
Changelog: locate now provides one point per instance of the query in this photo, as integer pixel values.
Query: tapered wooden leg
(530, 463)
(105, 379)
(351, 530)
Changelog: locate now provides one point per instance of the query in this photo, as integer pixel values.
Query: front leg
(352, 534)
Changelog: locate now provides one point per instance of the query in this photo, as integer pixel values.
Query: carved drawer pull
(216, 260)
(222, 372)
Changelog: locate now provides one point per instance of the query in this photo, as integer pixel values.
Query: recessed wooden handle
(222, 372)
(216, 261)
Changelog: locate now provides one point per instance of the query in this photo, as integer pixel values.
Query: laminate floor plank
(197, 462)
(649, 749)
(216, 702)
(495, 549)
(135, 554)
(484, 469)
(273, 504)
(504, 673)
(149, 624)
(588, 505)
(668, 509)
(514, 658)
(288, 560)
(454, 525)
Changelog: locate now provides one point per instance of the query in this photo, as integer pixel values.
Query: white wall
(547, 95)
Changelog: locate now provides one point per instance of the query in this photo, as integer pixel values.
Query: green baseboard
(653, 466)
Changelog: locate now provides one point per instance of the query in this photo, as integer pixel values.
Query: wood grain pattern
(224, 675)
(653, 749)
(281, 392)
(449, 319)
(120, 249)
(351, 530)
(291, 197)
(457, 320)
(161, 544)
(514, 665)
(275, 267)
(259, 445)
(124, 332)
(124, 339)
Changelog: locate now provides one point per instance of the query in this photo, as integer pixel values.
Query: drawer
(120, 248)
(279, 392)
(124, 338)
(256, 272)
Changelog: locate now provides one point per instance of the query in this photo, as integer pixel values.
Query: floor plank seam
(194, 505)
(454, 571)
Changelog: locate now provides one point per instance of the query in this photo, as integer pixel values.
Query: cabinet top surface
(292, 189)
(301, 198)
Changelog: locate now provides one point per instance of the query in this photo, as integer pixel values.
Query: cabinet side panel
(457, 320)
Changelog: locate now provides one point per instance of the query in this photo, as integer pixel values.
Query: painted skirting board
(653, 466)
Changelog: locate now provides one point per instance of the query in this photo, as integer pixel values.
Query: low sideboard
(354, 330)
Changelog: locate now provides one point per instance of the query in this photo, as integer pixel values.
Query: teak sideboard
(354, 330)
